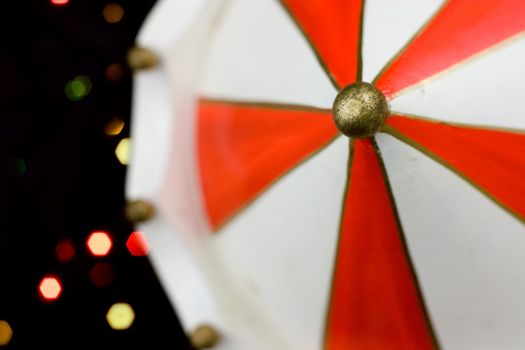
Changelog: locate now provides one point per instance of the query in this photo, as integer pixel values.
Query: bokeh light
(50, 288)
(123, 150)
(78, 88)
(114, 72)
(137, 244)
(59, 2)
(6, 333)
(99, 243)
(102, 274)
(16, 167)
(114, 127)
(120, 316)
(113, 13)
(65, 250)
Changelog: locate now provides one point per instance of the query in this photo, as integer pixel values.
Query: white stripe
(388, 26)
(487, 90)
(468, 252)
(167, 22)
(258, 53)
(281, 248)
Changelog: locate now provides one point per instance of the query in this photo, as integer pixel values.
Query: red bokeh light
(102, 274)
(137, 244)
(99, 243)
(65, 250)
(50, 288)
(59, 2)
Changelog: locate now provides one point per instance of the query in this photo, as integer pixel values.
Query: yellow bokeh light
(6, 333)
(113, 13)
(122, 151)
(114, 127)
(120, 316)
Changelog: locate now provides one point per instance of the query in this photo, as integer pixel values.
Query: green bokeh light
(78, 88)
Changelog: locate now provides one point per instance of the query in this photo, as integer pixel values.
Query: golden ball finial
(140, 58)
(204, 336)
(139, 210)
(360, 110)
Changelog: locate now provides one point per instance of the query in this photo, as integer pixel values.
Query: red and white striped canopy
(411, 239)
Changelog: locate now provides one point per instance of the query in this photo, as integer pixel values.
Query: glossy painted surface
(278, 253)
(404, 18)
(244, 148)
(492, 160)
(467, 251)
(461, 29)
(485, 91)
(286, 241)
(247, 58)
(375, 302)
(334, 30)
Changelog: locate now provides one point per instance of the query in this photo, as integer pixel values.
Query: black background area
(73, 183)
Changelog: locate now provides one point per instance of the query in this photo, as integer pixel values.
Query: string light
(122, 151)
(114, 72)
(99, 243)
(6, 333)
(50, 288)
(60, 2)
(120, 316)
(113, 13)
(65, 251)
(102, 274)
(78, 88)
(114, 127)
(137, 244)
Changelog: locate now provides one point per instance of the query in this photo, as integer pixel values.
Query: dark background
(61, 179)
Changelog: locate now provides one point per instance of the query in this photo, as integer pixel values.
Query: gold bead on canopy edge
(204, 336)
(140, 58)
(139, 210)
(360, 110)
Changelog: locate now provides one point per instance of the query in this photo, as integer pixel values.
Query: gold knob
(140, 58)
(204, 336)
(139, 210)
(360, 110)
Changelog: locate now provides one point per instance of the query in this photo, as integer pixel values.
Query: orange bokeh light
(50, 288)
(113, 13)
(65, 250)
(99, 243)
(6, 333)
(137, 244)
(59, 2)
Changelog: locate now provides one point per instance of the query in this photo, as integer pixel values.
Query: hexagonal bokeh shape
(50, 288)
(120, 316)
(122, 151)
(137, 244)
(65, 250)
(99, 243)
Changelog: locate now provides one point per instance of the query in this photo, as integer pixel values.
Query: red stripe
(375, 303)
(492, 159)
(461, 29)
(242, 149)
(334, 28)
